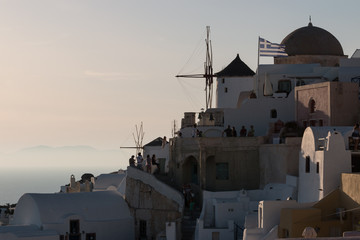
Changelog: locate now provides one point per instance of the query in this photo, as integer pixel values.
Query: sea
(14, 182)
(44, 169)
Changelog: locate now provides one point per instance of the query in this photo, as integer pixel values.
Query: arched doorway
(191, 170)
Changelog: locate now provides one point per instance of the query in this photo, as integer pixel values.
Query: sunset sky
(85, 72)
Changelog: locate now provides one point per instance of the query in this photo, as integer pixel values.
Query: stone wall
(279, 160)
(350, 185)
(151, 201)
(324, 60)
(251, 163)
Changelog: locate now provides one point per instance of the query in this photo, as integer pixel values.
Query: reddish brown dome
(312, 40)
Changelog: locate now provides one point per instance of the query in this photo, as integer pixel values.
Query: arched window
(312, 105)
(273, 113)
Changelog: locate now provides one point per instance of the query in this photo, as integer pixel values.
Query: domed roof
(312, 40)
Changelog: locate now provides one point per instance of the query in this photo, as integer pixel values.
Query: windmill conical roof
(236, 68)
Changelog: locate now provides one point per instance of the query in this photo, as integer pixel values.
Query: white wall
(105, 230)
(27, 232)
(28, 213)
(221, 208)
(159, 152)
(225, 211)
(275, 72)
(234, 86)
(104, 212)
(349, 68)
(271, 210)
(337, 160)
(257, 112)
(207, 233)
(333, 160)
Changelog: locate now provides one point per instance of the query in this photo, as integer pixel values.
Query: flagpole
(258, 52)
(258, 62)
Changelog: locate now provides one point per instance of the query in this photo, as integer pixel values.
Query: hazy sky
(85, 72)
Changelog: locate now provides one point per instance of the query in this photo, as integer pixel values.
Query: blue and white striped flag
(268, 49)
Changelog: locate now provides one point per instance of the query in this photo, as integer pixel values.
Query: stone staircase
(167, 180)
(189, 223)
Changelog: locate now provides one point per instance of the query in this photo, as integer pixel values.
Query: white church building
(102, 215)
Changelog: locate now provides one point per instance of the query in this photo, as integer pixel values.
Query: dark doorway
(91, 236)
(75, 230)
(355, 163)
(142, 229)
(191, 171)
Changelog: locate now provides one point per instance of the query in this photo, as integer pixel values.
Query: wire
(196, 51)
(194, 102)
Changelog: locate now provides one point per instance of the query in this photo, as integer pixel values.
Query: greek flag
(268, 49)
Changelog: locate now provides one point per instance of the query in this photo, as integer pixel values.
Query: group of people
(231, 132)
(144, 164)
(196, 132)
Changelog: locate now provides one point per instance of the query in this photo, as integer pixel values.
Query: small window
(317, 167)
(313, 123)
(321, 123)
(284, 86)
(226, 89)
(143, 228)
(307, 164)
(273, 113)
(223, 80)
(222, 171)
(300, 83)
(312, 105)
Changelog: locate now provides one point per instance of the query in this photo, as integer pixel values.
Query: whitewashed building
(223, 213)
(102, 215)
(265, 224)
(323, 157)
(160, 148)
(244, 99)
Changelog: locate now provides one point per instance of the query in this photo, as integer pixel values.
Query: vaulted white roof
(109, 181)
(39, 209)
(313, 134)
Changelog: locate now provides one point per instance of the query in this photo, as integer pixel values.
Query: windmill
(208, 71)
(138, 139)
